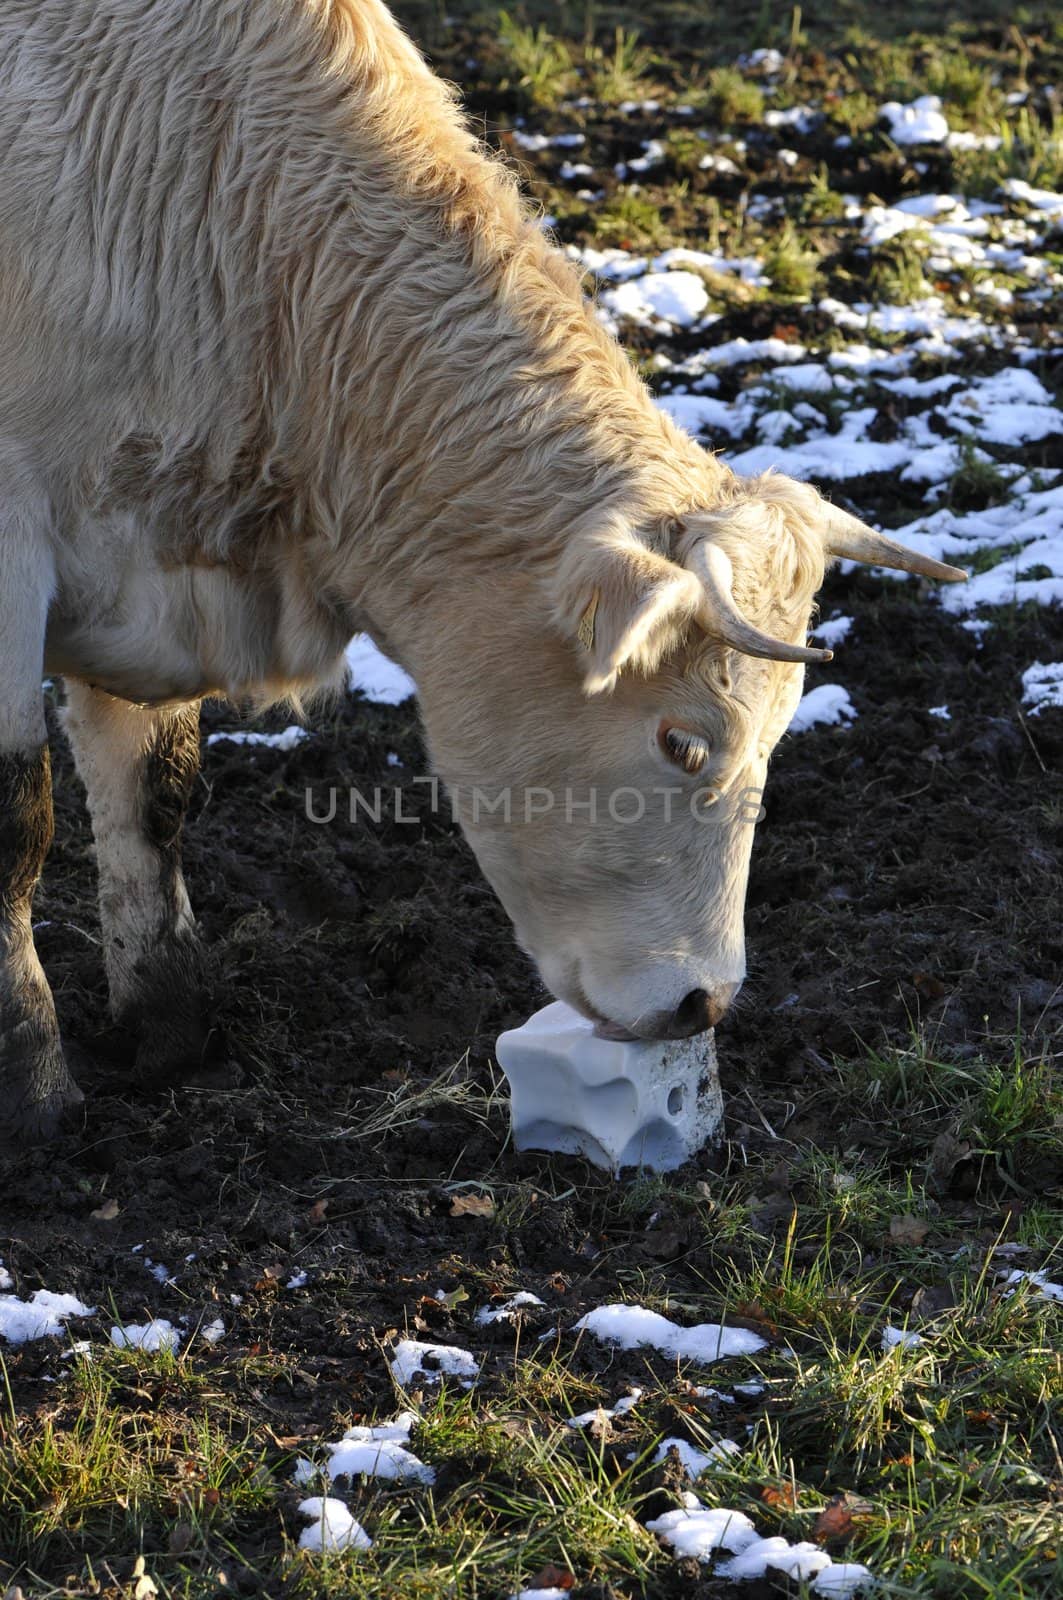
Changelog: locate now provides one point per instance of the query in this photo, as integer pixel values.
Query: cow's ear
(626, 608)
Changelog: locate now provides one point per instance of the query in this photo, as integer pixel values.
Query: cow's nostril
(697, 1012)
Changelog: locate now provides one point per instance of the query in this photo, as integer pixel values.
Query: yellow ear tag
(585, 630)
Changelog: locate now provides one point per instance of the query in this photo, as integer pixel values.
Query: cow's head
(607, 734)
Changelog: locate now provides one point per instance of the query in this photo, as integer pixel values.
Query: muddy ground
(905, 877)
(906, 880)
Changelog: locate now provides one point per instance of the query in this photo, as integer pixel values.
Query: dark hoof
(39, 1094)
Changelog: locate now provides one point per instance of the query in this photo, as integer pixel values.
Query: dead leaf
(472, 1205)
(105, 1213)
(316, 1214)
(835, 1521)
(926, 984)
(908, 1230)
(781, 1496)
(552, 1577)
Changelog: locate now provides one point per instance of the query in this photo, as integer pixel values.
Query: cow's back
(178, 178)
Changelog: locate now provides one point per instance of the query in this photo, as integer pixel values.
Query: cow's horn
(849, 537)
(721, 618)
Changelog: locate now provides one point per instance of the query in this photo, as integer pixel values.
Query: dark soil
(906, 877)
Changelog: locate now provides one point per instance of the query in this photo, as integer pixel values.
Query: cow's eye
(684, 749)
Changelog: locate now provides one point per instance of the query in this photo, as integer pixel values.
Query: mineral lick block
(619, 1104)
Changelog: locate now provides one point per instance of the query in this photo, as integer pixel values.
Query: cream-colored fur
(285, 356)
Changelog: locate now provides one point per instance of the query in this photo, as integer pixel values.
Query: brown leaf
(780, 1496)
(835, 1521)
(908, 1230)
(472, 1205)
(105, 1213)
(316, 1214)
(552, 1577)
(926, 984)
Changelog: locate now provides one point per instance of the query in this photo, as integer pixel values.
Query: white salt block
(620, 1104)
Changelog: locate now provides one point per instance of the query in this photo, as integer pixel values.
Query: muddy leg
(35, 1086)
(138, 765)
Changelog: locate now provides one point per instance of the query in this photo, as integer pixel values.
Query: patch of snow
(827, 705)
(331, 1526)
(766, 61)
(696, 1461)
(375, 676)
(158, 1334)
(448, 1361)
(797, 1561)
(633, 1326)
(624, 1404)
(833, 631)
(296, 1281)
(695, 1530)
(803, 119)
(373, 1452)
(1042, 686)
(41, 1316)
(213, 1331)
(941, 711)
(702, 413)
(892, 1337)
(507, 1312)
(920, 122)
(677, 297)
(698, 1531)
(287, 740)
(1038, 1282)
(6, 1280)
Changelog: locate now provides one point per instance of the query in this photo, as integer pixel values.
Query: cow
(285, 357)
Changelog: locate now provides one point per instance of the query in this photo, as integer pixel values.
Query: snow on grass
(634, 1326)
(679, 298)
(702, 1532)
(1039, 1283)
(624, 1404)
(892, 1337)
(696, 1461)
(828, 705)
(158, 1334)
(1042, 686)
(431, 1363)
(331, 1526)
(377, 678)
(509, 1311)
(833, 631)
(379, 1451)
(40, 1317)
(920, 122)
(287, 740)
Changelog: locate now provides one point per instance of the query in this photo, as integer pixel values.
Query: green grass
(948, 1449)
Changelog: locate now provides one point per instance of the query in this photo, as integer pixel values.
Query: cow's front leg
(138, 764)
(35, 1086)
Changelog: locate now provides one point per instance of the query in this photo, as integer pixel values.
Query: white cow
(283, 358)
